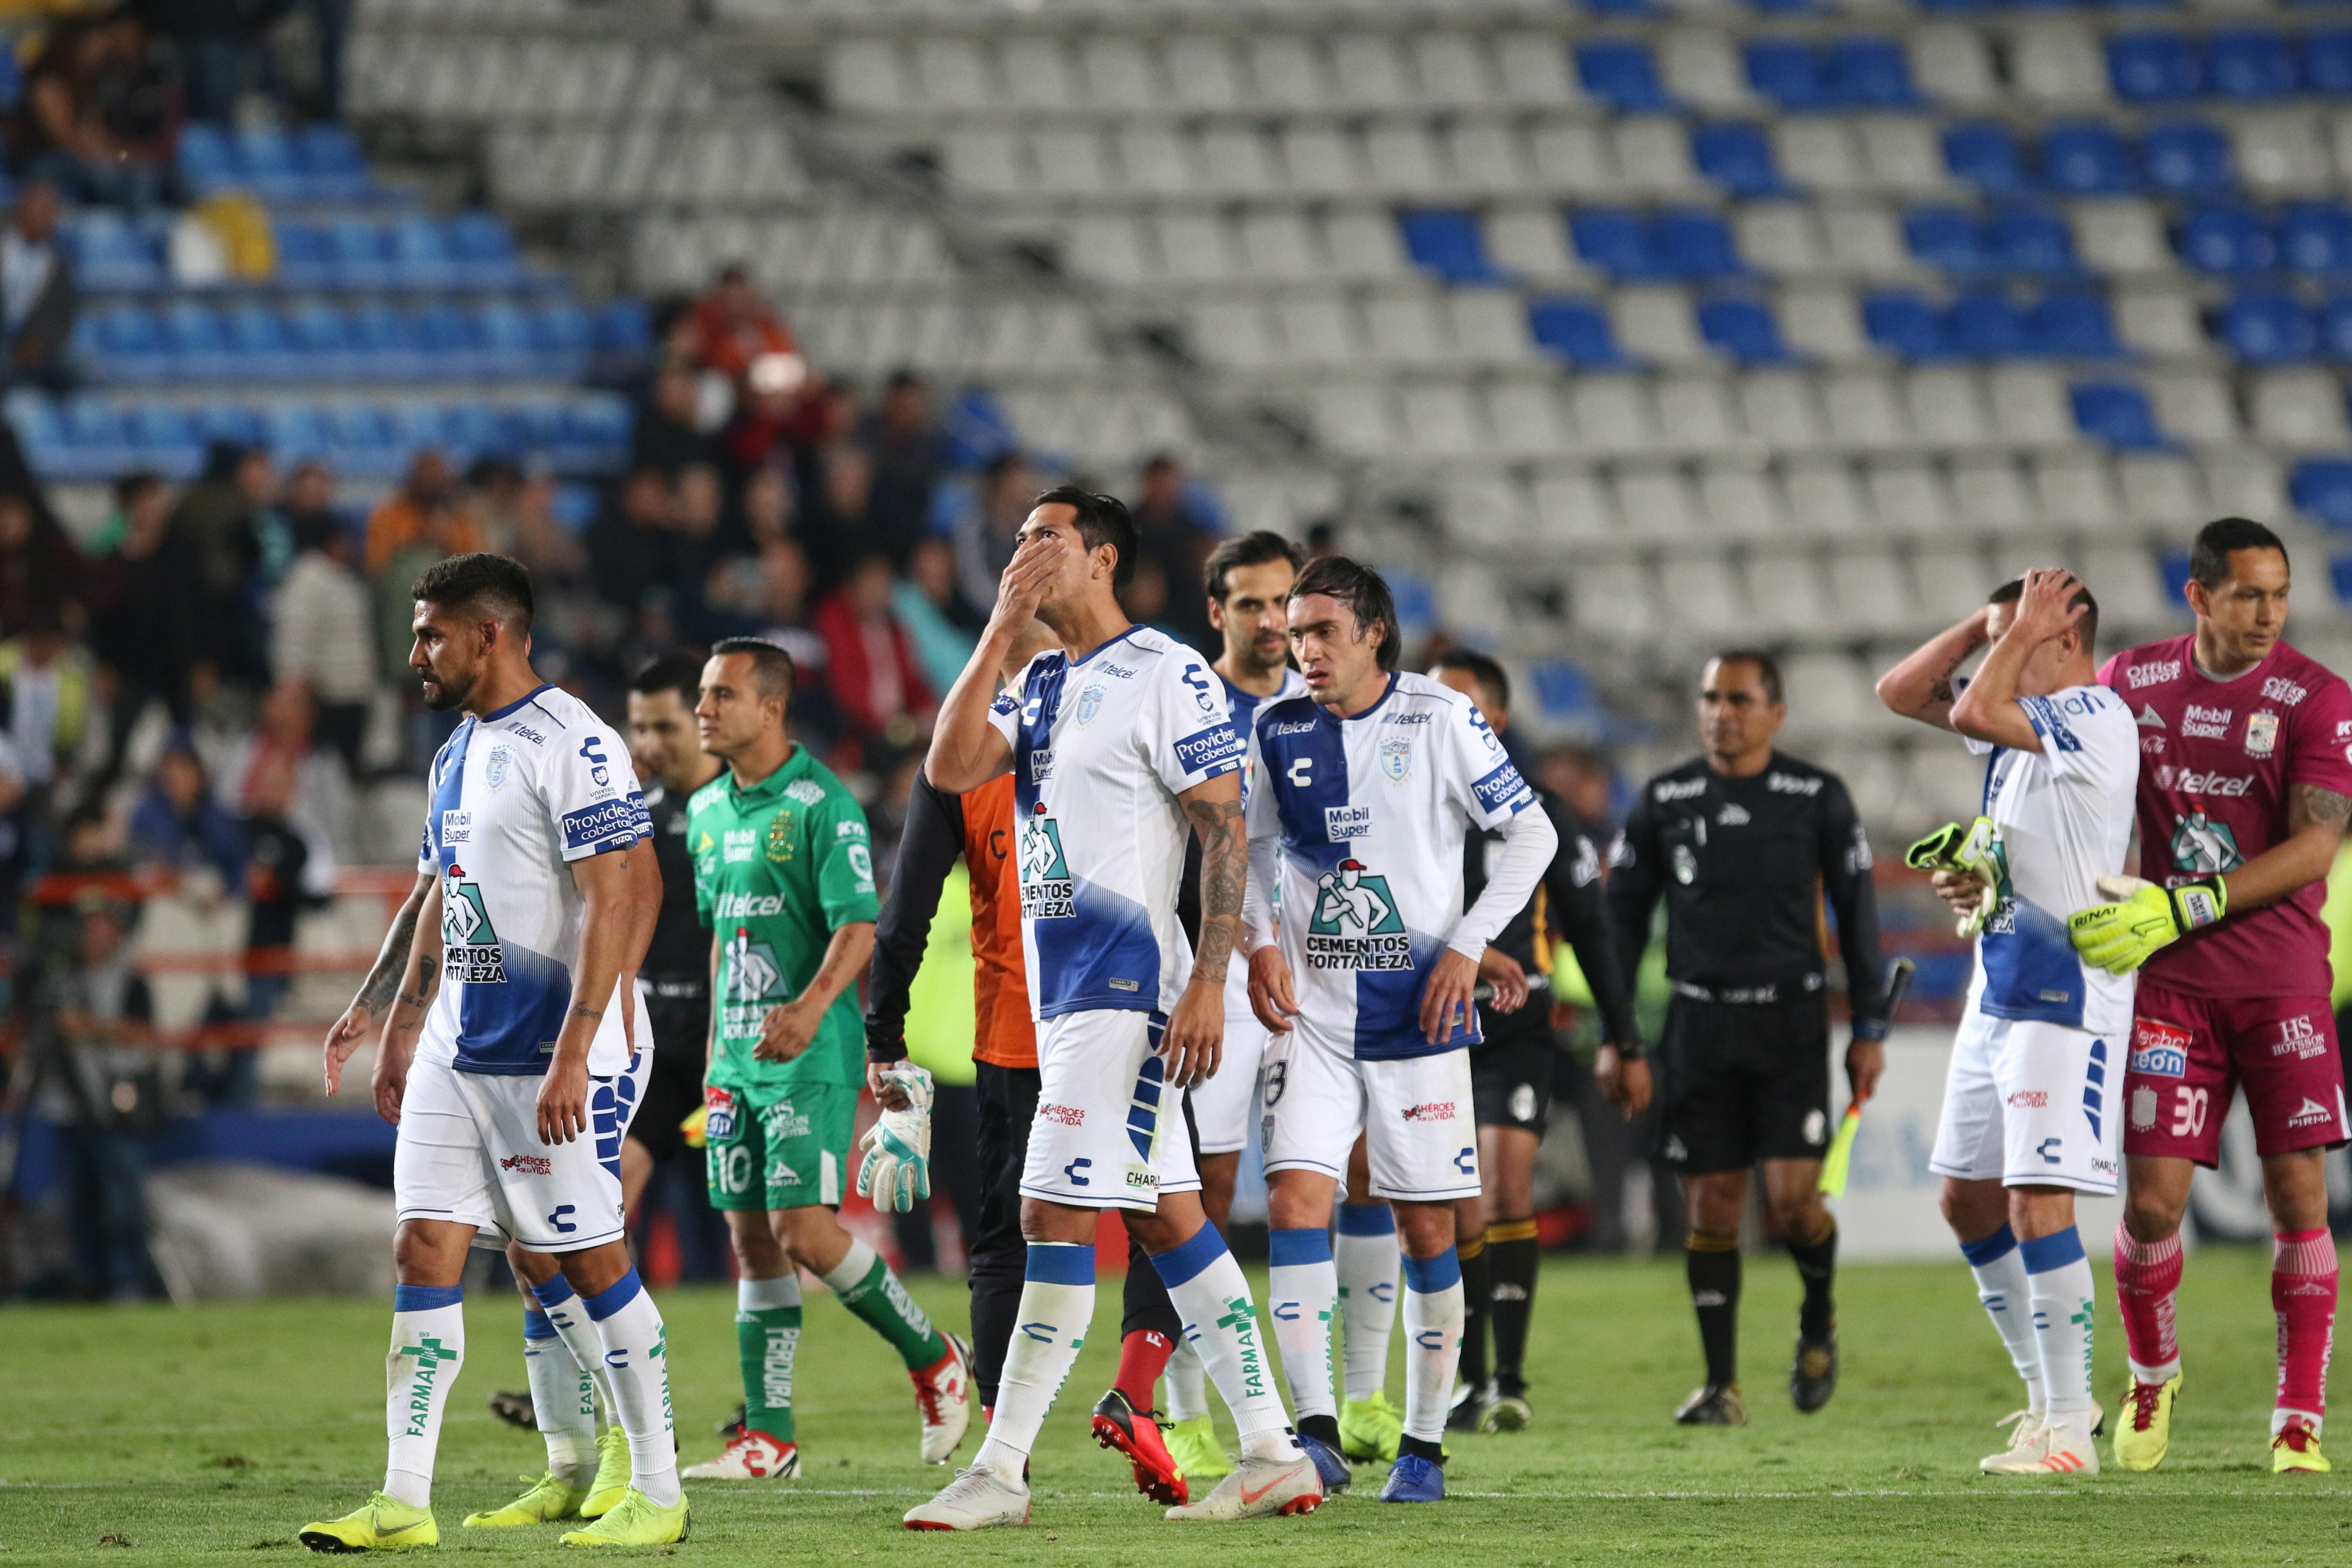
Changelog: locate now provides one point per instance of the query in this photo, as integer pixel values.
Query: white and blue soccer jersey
(518, 796)
(2063, 817)
(1245, 707)
(1372, 812)
(1101, 748)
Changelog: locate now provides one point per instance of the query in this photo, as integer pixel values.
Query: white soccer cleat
(750, 1457)
(2024, 1438)
(2056, 1452)
(1260, 1488)
(977, 1498)
(943, 1397)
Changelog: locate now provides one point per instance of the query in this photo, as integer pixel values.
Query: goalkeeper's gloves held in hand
(1972, 848)
(2121, 935)
(896, 1173)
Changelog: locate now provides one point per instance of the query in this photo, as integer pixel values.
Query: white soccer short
(1109, 1132)
(2029, 1103)
(1421, 1136)
(1221, 1107)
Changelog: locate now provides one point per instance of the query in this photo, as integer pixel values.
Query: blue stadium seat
(411, 250)
(415, 424)
(2023, 238)
(1871, 72)
(296, 433)
(2225, 240)
(164, 436)
(1577, 330)
(109, 252)
(504, 333)
(448, 341)
(355, 247)
(2323, 487)
(471, 430)
(2250, 62)
(1904, 324)
(1616, 241)
(1691, 243)
(383, 342)
(321, 340)
(2118, 413)
(561, 336)
(1447, 241)
(595, 434)
(306, 258)
(1622, 74)
(2339, 575)
(1738, 156)
(1985, 156)
(2186, 158)
(232, 422)
(2072, 324)
(207, 161)
(93, 425)
(2316, 237)
(124, 342)
(2265, 326)
(625, 328)
(480, 251)
(332, 166)
(2335, 327)
(2154, 68)
(361, 441)
(1743, 330)
(257, 345)
(265, 159)
(1566, 695)
(2087, 158)
(193, 339)
(1945, 238)
(1787, 72)
(1986, 325)
(2328, 61)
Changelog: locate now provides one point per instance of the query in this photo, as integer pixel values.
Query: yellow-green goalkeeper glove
(2121, 936)
(1972, 848)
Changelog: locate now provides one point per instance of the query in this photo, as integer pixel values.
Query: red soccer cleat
(1120, 1425)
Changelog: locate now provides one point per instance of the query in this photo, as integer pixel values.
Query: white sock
(1432, 1342)
(1366, 1254)
(2058, 1285)
(578, 1331)
(1999, 1271)
(428, 1347)
(1213, 1299)
(562, 1398)
(636, 1355)
(1302, 1286)
(1058, 1304)
(1188, 1382)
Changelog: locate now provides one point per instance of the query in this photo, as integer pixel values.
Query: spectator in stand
(427, 510)
(215, 518)
(780, 615)
(99, 1086)
(90, 119)
(322, 640)
(985, 530)
(944, 628)
(1173, 529)
(41, 571)
(37, 297)
(45, 695)
(838, 530)
(732, 325)
(492, 494)
(782, 413)
(901, 439)
(768, 509)
(669, 434)
(143, 619)
(870, 662)
(634, 548)
(699, 504)
(308, 503)
(133, 491)
(179, 825)
(213, 39)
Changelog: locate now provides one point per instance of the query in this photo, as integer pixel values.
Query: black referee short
(1510, 1080)
(1740, 1082)
(674, 1087)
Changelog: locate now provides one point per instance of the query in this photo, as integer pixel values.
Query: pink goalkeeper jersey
(2217, 760)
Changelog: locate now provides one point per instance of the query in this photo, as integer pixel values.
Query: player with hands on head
(1116, 746)
(2029, 1117)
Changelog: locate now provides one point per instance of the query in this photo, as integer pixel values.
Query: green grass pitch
(211, 1435)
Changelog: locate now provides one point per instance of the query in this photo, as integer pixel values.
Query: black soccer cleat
(515, 1410)
(1715, 1404)
(1812, 1377)
(732, 1427)
(1463, 1415)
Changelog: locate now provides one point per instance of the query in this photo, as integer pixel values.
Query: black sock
(1145, 1298)
(1324, 1429)
(1817, 1266)
(1713, 1262)
(1433, 1452)
(1475, 1288)
(1511, 1262)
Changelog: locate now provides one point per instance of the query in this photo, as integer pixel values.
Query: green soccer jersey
(778, 868)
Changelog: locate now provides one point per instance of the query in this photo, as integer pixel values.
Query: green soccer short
(779, 1148)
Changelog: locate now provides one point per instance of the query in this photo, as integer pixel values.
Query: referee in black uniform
(1513, 1068)
(1744, 843)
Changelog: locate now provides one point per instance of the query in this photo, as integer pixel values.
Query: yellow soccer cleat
(1193, 1445)
(612, 1474)
(548, 1501)
(1371, 1428)
(635, 1520)
(2144, 1423)
(2297, 1447)
(382, 1523)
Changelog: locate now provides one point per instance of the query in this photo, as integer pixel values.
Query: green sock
(868, 1287)
(767, 1336)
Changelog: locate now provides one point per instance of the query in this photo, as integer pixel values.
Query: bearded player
(2245, 788)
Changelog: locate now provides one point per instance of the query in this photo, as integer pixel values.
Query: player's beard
(441, 694)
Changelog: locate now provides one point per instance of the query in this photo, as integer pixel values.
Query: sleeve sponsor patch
(1005, 704)
(1502, 788)
(2049, 723)
(608, 824)
(1217, 750)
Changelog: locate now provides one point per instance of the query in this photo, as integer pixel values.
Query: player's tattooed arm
(1224, 878)
(2316, 822)
(2308, 805)
(1921, 685)
(382, 981)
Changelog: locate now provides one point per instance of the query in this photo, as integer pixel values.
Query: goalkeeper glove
(2121, 936)
(896, 1172)
(1973, 849)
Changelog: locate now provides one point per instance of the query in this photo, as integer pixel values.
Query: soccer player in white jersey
(2032, 1102)
(1113, 752)
(526, 956)
(1367, 787)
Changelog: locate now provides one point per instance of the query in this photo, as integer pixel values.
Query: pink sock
(2302, 1295)
(2147, 1274)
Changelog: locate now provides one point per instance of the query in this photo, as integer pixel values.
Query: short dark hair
(1102, 520)
(2009, 593)
(1485, 671)
(1767, 667)
(134, 484)
(1363, 591)
(679, 670)
(1255, 549)
(771, 666)
(2209, 558)
(498, 582)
